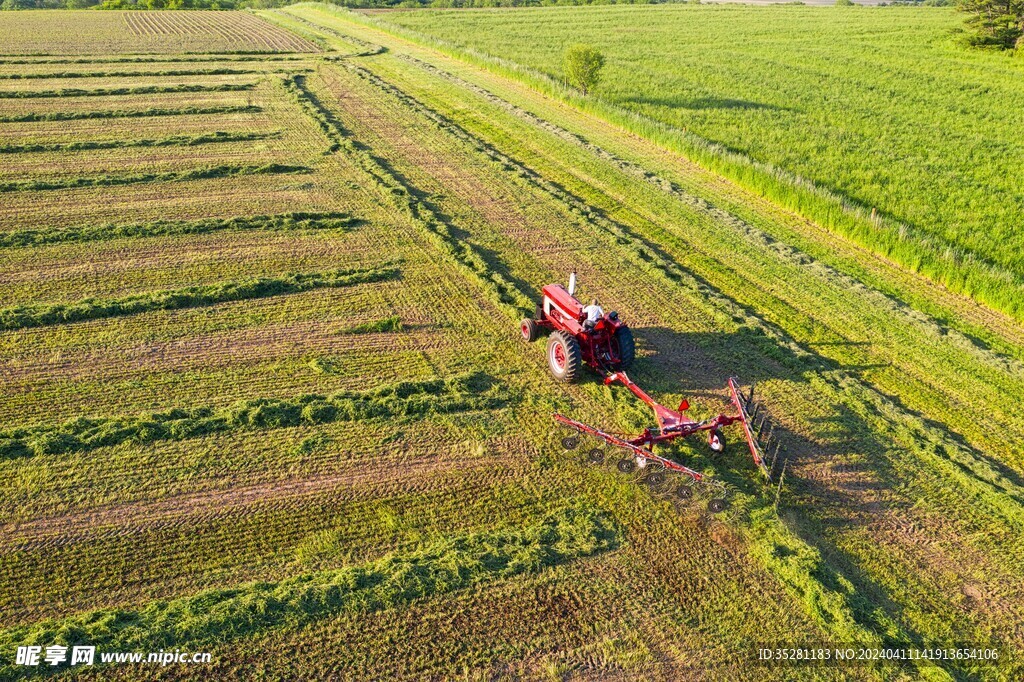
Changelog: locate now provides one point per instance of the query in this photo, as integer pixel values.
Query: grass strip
(209, 618)
(461, 393)
(39, 315)
(139, 90)
(172, 141)
(160, 228)
(169, 176)
(124, 113)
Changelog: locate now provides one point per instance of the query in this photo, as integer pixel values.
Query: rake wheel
(626, 465)
(570, 442)
(655, 479)
(596, 456)
(716, 505)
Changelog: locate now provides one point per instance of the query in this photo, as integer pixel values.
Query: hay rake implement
(673, 424)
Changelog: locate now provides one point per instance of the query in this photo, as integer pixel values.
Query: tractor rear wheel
(627, 347)
(529, 329)
(565, 361)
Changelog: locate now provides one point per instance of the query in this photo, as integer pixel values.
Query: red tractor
(602, 341)
(579, 335)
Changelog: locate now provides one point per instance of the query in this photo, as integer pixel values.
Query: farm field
(81, 32)
(878, 106)
(264, 394)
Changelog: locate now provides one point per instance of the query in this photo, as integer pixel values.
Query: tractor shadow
(699, 362)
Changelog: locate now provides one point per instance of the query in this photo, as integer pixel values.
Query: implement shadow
(839, 479)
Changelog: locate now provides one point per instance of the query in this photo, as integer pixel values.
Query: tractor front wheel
(627, 347)
(565, 361)
(529, 329)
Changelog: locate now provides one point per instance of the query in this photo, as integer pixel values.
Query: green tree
(995, 23)
(582, 65)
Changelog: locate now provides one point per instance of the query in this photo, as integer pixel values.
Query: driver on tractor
(593, 313)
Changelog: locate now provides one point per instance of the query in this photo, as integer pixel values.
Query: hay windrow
(439, 567)
(331, 220)
(226, 171)
(405, 399)
(128, 113)
(139, 90)
(170, 141)
(39, 315)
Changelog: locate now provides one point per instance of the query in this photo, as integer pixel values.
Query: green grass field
(265, 394)
(880, 105)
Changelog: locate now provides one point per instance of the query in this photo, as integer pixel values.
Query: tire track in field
(844, 384)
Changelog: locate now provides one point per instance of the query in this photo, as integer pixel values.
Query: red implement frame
(674, 424)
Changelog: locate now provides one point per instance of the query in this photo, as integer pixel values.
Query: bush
(582, 65)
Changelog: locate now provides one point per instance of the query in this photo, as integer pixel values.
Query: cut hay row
(440, 567)
(143, 59)
(134, 74)
(408, 398)
(140, 90)
(128, 113)
(89, 233)
(172, 141)
(136, 178)
(25, 316)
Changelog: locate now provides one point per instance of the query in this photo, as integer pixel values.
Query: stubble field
(264, 393)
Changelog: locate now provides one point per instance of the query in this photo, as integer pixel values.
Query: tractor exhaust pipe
(572, 283)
